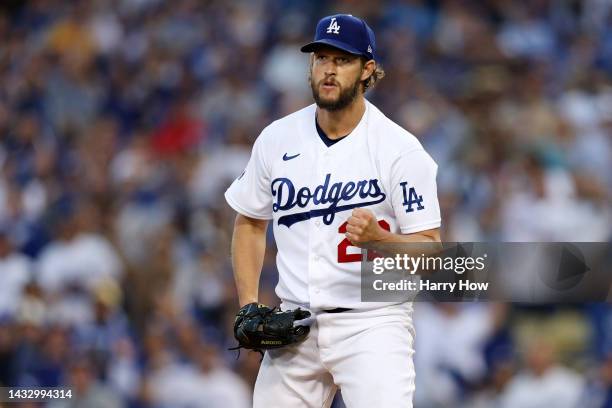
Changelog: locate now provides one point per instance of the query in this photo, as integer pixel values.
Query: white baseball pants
(367, 354)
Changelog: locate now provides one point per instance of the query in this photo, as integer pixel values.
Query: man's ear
(368, 69)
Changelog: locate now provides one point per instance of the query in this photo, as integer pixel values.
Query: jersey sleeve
(414, 192)
(250, 193)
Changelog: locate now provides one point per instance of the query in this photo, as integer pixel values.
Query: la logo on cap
(333, 27)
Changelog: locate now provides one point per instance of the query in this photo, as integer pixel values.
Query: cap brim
(313, 46)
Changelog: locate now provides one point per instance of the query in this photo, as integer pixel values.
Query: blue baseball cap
(345, 32)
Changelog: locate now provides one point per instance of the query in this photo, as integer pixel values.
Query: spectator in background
(193, 375)
(109, 326)
(87, 391)
(219, 386)
(15, 273)
(544, 382)
(80, 255)
(72, 266)
(450, 358)
(53, 353)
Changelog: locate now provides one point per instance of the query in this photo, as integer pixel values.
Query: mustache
(328, 81)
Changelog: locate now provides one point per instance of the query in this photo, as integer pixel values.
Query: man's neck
(337, 124)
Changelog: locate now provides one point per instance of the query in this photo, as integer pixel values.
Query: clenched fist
(362, 227)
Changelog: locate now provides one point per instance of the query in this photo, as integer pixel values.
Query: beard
(346, 97)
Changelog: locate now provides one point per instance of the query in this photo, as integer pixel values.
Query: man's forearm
(364, 231)
(416, 244)
(248, 250)
(424, 243)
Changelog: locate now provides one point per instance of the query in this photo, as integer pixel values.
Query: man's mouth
(329, 85)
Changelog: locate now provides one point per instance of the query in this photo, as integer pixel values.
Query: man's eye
(342, 60)
(321, 57)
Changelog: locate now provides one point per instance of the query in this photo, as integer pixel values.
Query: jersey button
(316, 258)
(318, 223)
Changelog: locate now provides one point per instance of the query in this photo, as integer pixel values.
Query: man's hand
(259, 328)
(362, 228)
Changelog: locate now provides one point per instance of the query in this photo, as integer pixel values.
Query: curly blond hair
(377, 75)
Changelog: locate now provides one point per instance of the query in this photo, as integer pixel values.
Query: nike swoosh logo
(285, 157)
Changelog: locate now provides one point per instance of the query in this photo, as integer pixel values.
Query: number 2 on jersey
(344, 256)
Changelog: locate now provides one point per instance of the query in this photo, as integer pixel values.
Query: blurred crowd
(123, 121)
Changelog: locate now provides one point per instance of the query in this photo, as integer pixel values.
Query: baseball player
(333, 177)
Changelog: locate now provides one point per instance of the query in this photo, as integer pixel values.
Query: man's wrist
(247, 301)
(383, 235)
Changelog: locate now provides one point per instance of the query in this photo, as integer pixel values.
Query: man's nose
(330, 68)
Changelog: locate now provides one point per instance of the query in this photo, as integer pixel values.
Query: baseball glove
(259, 328)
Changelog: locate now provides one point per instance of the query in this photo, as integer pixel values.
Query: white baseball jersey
(309, 190)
